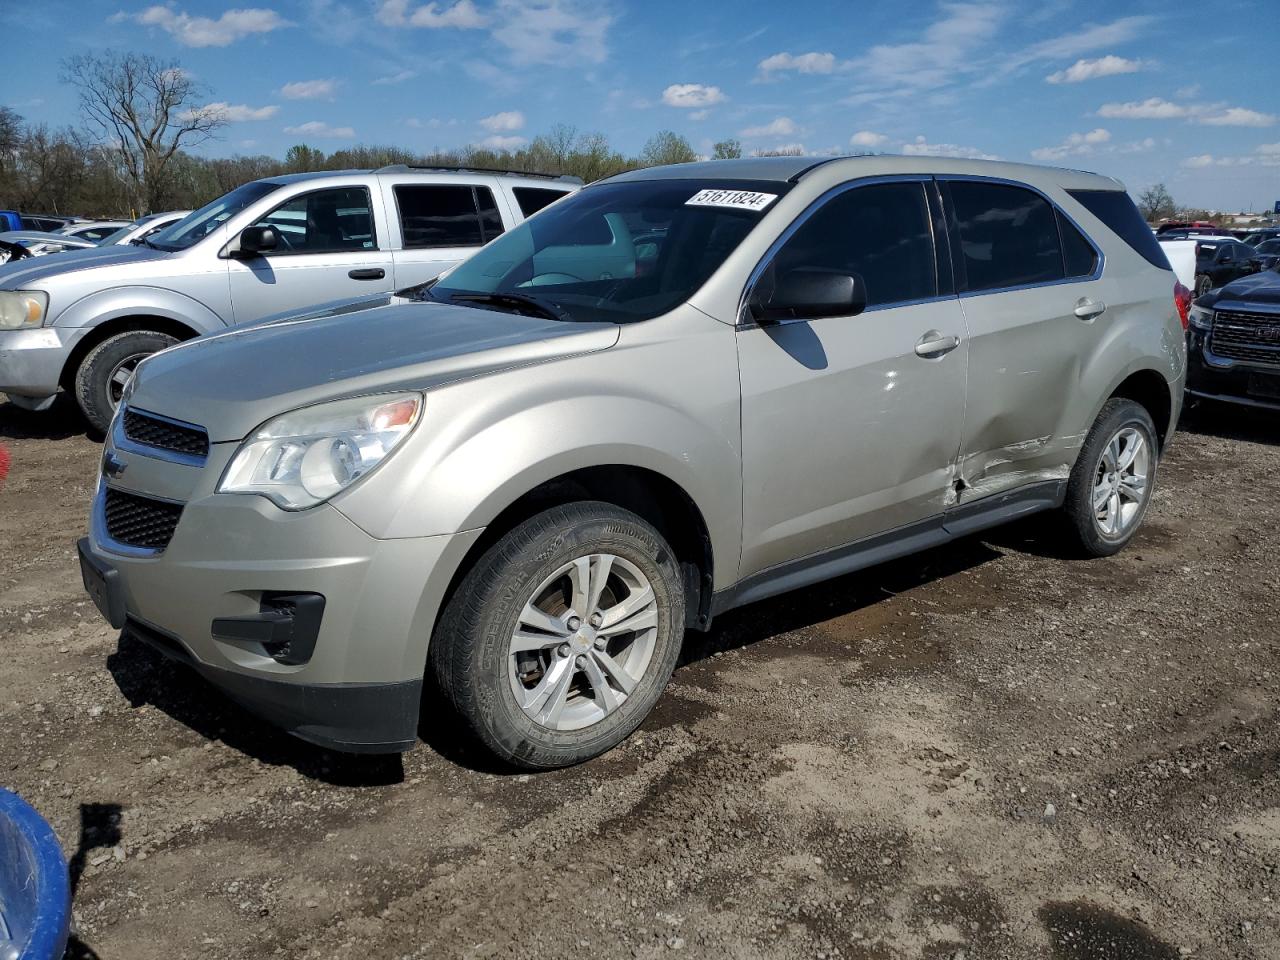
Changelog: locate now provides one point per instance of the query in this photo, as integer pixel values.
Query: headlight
(303, 458)
(1200, 317)
(22, 308)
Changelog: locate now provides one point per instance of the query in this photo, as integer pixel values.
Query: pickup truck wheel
(561, 638)
(1203, 285)
(106, 369)
(1113, 478)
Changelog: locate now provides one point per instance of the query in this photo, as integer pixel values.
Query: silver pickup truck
(82, 321)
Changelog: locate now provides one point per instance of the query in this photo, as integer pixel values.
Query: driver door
(848, 431)
(329, 249)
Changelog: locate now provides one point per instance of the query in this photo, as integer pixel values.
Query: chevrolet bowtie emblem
(112, 466)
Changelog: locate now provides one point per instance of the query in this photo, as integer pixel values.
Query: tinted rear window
(533, 199)
(1008, 236)
(441, 215)
(1116, 210)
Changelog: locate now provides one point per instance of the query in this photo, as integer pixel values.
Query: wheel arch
(115, 325)
(1149, 389)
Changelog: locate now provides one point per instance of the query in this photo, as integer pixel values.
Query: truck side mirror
(255, 241)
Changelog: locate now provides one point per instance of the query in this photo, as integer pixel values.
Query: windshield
(619, 252)
(194, 227)
(111, 239)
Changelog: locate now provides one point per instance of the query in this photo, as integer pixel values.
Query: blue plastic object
(35, 892)
(10, 220)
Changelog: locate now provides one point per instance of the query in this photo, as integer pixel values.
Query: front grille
(1246, 337)
(140, 521)
(154, 432)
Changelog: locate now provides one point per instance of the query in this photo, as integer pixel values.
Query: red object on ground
(4, 463)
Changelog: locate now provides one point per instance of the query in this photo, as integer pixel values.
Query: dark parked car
(1262, 235)
(1268, 254)
(1233, 342)
(1220, 262)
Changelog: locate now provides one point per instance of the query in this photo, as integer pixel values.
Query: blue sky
(1147, 90)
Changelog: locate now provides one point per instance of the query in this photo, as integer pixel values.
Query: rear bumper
(31, 361)
(1209, 379)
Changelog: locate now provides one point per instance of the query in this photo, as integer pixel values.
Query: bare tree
(1156, 203)
(147, 110)
(730, 149)
(665, 147)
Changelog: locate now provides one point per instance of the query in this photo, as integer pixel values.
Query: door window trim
(745, 322)
(957, 254)
(373, 225)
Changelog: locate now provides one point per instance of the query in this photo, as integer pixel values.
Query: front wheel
(1113, 479)
(105, 370)
(1203, 285)
(560, 640)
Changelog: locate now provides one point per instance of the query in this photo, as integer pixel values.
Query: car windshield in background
(196, 226)
(618, 252)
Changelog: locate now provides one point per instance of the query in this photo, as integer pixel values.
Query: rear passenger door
(1028, 281)
(438, 225)
(851, 425)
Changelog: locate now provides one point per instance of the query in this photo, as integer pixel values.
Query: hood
(26, 274)
(1257, 288)
(231, 382)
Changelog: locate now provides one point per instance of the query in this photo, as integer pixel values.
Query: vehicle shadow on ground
(146, 677)
(59, 422)
(833, 598)
(1231, 422)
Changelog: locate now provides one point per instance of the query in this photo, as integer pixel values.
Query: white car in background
(143, 227)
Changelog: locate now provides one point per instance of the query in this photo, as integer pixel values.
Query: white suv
(273, 245)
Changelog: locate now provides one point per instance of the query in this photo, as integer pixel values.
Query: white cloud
(462, 15)
(867, 138)
(1268, 149)
(395, 78)
(317, 128)
(799, 62)
(1076, 144)
(232, 112)
(947, 47)
(207, 32)
(552, 32)
(781, 127)
(1090, 38)
(692, 95)
(507, 120)
(308, 89)
(1107, 66)
(920, 147)
(1237, 117)
(699, 114)
(1138, 146)
(1153, 108)
(1203, 160)
(503, 143)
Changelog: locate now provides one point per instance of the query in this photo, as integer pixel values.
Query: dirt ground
(988, 750)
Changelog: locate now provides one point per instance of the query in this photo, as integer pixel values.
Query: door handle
(1087, 309)
(368, 273)
(933, 345)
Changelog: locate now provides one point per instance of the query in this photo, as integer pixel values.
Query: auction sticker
(737, 199)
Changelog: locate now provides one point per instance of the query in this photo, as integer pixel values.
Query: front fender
(139, 300)
(667, 405)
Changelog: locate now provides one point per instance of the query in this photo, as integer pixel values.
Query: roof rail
(462, 168)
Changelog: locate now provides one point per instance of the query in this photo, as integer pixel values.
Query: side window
(326, 221)
(1077, 252)
(1008, 235)
(445, 215)
(533, 199)
(880, 232)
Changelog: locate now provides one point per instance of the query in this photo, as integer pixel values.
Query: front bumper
(359, 687)
(31, 362)
(1210, 378)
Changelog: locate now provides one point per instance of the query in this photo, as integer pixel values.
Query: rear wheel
(1113, 479)
(559, 641)
(1203, 285)
(106, 369)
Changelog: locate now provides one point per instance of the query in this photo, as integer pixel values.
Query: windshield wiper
(517, 300)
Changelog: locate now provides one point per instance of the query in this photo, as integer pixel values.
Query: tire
(1203, 285)
(1091, 528)
(482, 678)
(98, 382)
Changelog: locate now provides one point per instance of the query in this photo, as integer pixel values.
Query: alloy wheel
(1120, 482)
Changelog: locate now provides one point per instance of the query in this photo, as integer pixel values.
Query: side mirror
(257, 240)
(808, 293)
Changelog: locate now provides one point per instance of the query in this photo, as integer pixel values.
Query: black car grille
(154, 432)
(1246, 337)
(140, 521)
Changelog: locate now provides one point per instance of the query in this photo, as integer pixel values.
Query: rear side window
(533, 199)
(1116, 210)
(1008, 235)
(1078, 254)
(442, 215)
(880, 232)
